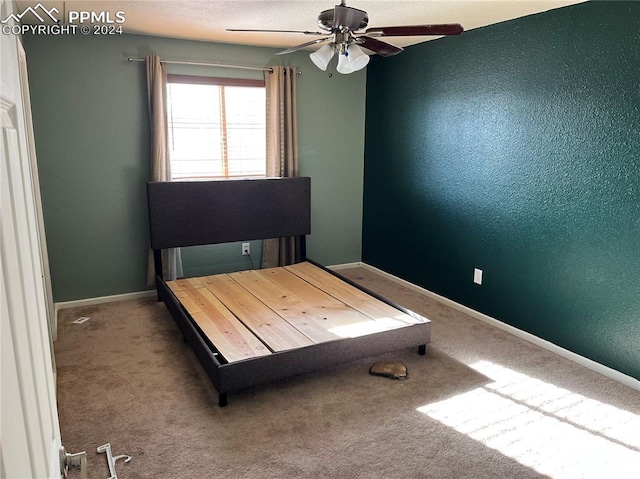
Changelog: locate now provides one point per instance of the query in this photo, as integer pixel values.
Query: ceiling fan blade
(349, 17)
(416, 30)
(383, 49)
(305, 32)
(304, 45)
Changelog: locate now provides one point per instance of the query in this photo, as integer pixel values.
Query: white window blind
(216, 131)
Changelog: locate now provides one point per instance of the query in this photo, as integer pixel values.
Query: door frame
(29, 415)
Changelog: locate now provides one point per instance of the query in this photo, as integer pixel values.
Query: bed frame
(212, 212)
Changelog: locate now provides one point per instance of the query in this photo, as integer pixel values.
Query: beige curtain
(160, 165)
(282, 152)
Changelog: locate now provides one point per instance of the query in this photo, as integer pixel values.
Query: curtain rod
(202, 64)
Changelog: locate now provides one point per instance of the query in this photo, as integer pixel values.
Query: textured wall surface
(92, 135)
(515, 149)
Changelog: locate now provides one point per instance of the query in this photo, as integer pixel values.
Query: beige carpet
(480, 404)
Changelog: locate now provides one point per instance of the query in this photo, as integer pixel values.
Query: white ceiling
(207, 19)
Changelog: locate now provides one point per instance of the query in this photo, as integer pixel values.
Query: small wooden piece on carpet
(389, 369)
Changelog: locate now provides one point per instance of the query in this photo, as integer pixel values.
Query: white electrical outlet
(246, 249)
(477, 276)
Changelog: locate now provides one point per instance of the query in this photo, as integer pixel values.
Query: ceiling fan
(340, 26)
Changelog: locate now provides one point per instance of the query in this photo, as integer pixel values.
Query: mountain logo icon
(34, 11)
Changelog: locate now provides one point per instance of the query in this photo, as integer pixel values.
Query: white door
(33, 164)
(30, 434)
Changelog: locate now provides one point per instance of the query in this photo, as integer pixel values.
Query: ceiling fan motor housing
(325, 21)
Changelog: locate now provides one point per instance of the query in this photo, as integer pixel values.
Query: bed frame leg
(222, 399)
(422, 349)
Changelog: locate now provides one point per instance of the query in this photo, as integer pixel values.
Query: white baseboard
(565, 353)
(338, 267)
(102, 299)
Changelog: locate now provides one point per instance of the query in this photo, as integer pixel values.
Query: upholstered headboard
(189, 213)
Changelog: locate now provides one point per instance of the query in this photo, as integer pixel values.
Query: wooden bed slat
(327, 307)
(231, 338)
(276, 333)
(357, 299)
(288, 306)
(186, 283)
(313, 312)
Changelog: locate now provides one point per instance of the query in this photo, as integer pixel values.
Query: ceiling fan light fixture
(322, 57)
(352, 60)
(344, 64)
(357, 57)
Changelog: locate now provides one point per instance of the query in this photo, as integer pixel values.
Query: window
(216, 127)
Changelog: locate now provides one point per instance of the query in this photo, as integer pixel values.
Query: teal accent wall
(515, 148)
(92, 136)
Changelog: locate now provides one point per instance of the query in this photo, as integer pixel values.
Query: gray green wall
(515, 148)
(92, 135)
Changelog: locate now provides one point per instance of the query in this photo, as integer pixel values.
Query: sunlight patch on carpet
(549, 429)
